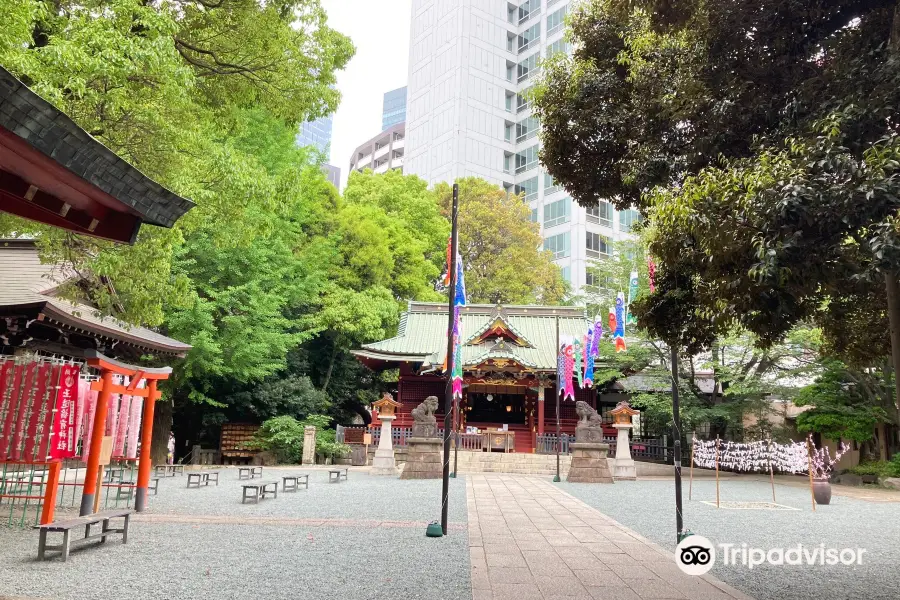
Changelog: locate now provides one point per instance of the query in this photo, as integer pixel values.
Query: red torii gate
(106, 388)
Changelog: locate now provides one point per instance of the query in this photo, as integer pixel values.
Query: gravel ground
(648, 507)
(361, 539)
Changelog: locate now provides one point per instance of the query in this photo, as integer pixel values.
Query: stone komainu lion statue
(588, 416)
(424, 413)
(424, 421)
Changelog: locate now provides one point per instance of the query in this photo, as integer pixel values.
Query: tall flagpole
(448, 401)
(676, 425)
(558, 437)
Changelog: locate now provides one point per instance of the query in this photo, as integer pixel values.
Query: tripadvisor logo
(696, 555)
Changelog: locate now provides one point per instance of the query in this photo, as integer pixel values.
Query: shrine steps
(512, 462)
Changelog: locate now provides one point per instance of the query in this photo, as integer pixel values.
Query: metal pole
(456, 427)
(448, 401)
(558, 436)
(676, 425)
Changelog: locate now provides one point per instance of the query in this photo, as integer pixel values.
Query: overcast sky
(380, 31)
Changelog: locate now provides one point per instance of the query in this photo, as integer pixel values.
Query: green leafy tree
(501, 247)
(847, 403)
(171, 87)
(760, 149)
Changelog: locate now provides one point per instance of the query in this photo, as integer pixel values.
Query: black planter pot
(822, 491)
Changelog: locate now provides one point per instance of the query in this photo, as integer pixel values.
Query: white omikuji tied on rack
(749, 457)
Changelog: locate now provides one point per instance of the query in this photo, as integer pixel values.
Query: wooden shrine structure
(55, 173)
(509, 367)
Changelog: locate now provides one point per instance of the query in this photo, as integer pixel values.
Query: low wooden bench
(114, 474)
(249, 472)
(291, 483)
(66, 527)
(336, 475)
(198, 478)
(125, 491)
(260, 490)
(168, 470)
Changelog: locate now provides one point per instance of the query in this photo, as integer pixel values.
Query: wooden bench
(114, 474)
(291, 483)
(169, 470)
(125, 491)
(196, 478)
(249, 472)
(66, 527)
(335, 475)
(260, 490)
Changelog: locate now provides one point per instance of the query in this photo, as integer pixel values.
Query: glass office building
(316, 133)
(393, 108)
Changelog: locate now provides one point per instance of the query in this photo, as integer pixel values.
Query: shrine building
(509, 364)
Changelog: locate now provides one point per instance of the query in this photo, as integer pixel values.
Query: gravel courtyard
(360, 539)
(648, 507)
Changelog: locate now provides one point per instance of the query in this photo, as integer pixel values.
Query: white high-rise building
(470, 62)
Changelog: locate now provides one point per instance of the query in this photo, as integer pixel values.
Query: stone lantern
(384, 463)
(622, 415)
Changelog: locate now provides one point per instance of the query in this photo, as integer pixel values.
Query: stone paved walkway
(529, 540)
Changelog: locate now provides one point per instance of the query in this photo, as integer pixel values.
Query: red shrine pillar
(540, 403)
(93, 465)
(144, 463)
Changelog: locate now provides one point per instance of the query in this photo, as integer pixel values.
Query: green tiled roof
(422, 334)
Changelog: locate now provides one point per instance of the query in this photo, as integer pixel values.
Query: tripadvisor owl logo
(695, 555)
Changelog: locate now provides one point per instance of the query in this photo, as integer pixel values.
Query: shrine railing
(647, 449)
(400, 437)
(471, 441)
(547, 443)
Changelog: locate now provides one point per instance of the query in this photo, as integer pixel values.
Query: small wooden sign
(106, 450)
(367, 438)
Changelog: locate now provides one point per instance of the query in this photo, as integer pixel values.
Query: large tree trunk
(162, 425)
(330, 367)
(893, 301)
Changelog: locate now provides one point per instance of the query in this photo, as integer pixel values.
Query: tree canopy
(501, 247)
(174, 87)
(762, 150)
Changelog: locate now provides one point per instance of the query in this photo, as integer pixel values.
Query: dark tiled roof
(27, 282)
(54, 134)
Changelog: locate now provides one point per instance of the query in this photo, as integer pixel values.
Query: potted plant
(822, 466)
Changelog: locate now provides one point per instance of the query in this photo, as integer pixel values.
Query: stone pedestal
(423, 458)
(589, 463)
(309, 445)
(624, 464)
(383, 463)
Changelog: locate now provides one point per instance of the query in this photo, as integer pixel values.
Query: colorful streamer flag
(579, 368)
(459, 299)
(560, 366)
(632, 294)
(632, 286)
(598, 334)
(651, 274)
(569, 371)
(590, 343)
(612, 319)
(619, 332)
(449, 260)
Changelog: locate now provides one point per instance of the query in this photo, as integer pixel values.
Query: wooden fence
(401, 435)
(646, 449)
